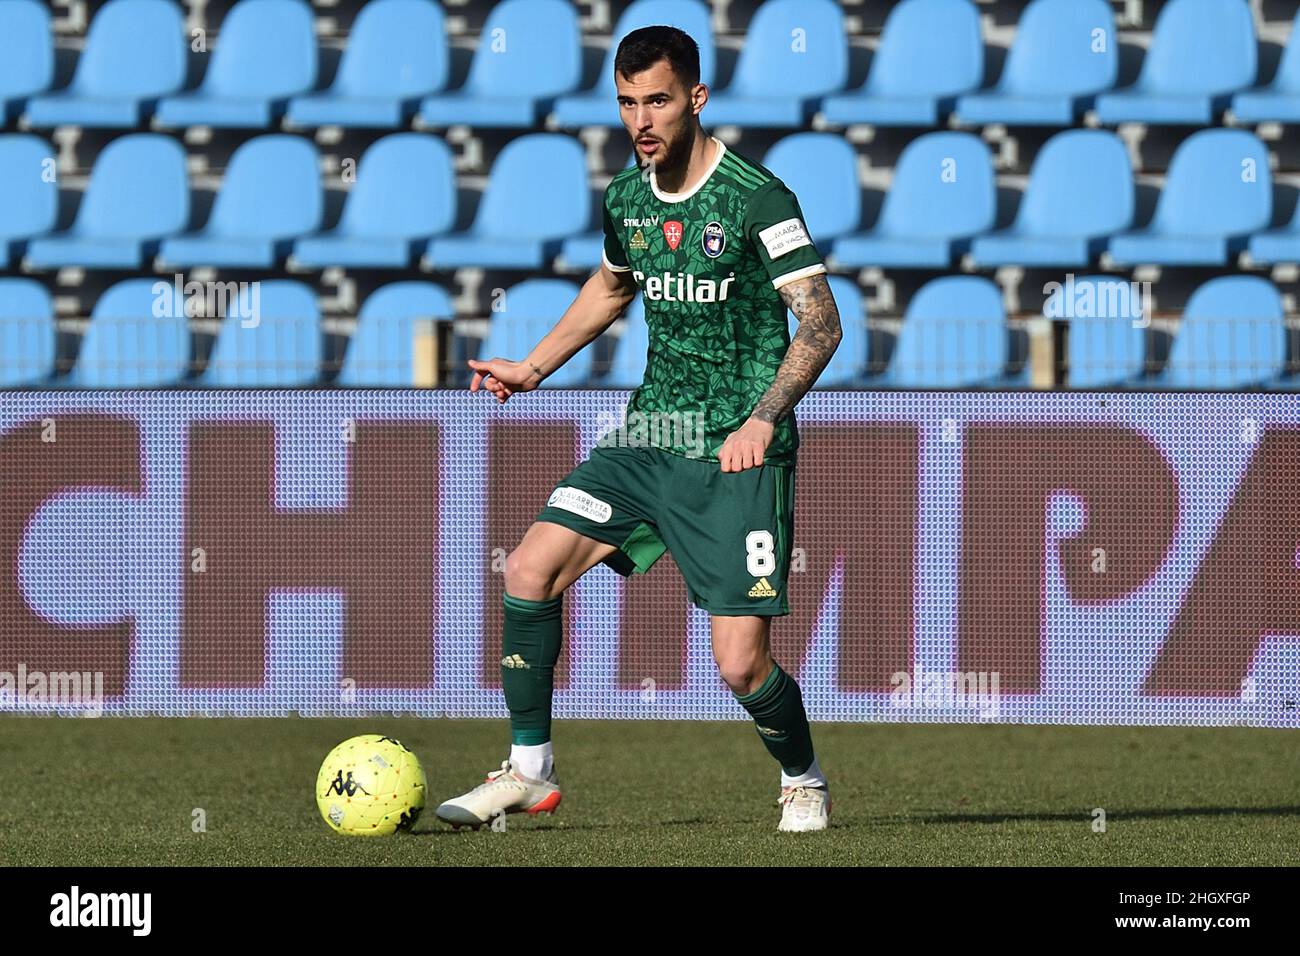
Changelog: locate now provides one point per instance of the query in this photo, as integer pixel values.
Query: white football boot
(503, 791)
(804, 808)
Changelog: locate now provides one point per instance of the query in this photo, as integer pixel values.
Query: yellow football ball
(370, 786)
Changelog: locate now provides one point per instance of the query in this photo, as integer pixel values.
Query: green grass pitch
(124, 791)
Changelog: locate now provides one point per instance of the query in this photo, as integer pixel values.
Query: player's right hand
(502, 377)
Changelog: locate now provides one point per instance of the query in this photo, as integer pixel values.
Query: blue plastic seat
(270, 195)
(138, 193)
(396, 54)
(1232, 335)
(275, 344)
(598, 106)
(1080, 193)
(1279, 102)
(847, 367)
(265, 53)
(1277, 245)
(27, 333)
(530, 51)
(821, 169)
(381, 353)
(583, 251)
(943, 193)
(405, 193)
(530, 310)
(26, 55)
(135, 53)
(1218, 190)
(133, 343)
(1064, 54)
(931, 51)
(1202, 51)
(1107, 321)
(954, 335)
(795, 52)
(29, 200)
(627, 370)
(536, 196)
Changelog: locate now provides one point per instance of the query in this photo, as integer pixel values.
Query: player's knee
(740, 671)
(527, 576)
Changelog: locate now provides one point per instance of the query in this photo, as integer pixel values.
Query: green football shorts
(731, 533)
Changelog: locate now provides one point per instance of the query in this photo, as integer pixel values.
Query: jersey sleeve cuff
(610, 266)
(817, 268)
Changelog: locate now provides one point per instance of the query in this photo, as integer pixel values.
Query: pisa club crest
(673, 233)
(714, 239)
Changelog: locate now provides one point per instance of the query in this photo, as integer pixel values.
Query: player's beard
(673, 154)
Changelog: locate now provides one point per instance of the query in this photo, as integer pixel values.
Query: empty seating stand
(931, 51)
(134, 55)
(265, 53)
(1065, 53)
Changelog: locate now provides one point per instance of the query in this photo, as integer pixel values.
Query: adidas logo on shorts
(514, 660)
(762, 589)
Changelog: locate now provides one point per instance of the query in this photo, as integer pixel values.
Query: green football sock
(530, 647)
(777, 709)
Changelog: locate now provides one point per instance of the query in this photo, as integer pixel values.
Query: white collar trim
(683, 196)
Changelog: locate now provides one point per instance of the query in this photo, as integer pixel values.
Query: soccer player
(704, 464)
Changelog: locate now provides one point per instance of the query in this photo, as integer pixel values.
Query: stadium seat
(135, 53)
(583, 251)
(26, 55)
(1064, 54)
(1279, 102)
(1277, 245)
(1218, 190)
(930, 52)
(1107, 320)
(627, 370)
(265, 53)
(381, 352)
(795, 52)
(529, 311)
(1202, 51)
(847, 367)
(1231, 335)
(598, 106)
(530, 54)
(821, 169)
(405, 193)
(131, 343)
(270, 195)
(29, 195)
(27, 333)
(954, 335)
(138, 193)
(942, 194)
(537, 194)
(278, 347)
(396, 54)
(1080, 193)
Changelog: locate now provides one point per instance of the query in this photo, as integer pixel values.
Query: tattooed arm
(810, 350)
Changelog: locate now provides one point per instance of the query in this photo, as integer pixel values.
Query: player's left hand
(745, 446)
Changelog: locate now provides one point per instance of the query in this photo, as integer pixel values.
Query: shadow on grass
(1160, 813)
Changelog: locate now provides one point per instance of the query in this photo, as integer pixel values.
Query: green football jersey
(708, 262)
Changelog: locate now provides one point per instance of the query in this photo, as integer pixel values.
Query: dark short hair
(643, 48)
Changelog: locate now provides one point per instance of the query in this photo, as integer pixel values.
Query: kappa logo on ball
(580, 503)
(673, 233)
